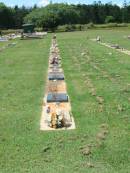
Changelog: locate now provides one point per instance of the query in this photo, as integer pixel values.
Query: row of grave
(56, 110)
(113, 46)
(9, 37)
(56, 76)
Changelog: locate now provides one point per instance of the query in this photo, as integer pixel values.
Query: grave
(55, 76)
(56, 73)
(55, 66)
(57, 97)
(2, 39)
(56, 86)
(116, 46)
(55, 70)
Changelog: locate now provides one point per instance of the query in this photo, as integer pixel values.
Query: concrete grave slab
(57, 97)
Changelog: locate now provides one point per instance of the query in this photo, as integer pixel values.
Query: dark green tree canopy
(53, 15)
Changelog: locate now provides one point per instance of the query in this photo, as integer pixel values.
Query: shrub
(66, 28)
(38, 29)
(10, 31)
(90, 25)
(109, 19)
(79, 27)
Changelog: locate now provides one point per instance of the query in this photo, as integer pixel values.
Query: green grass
(115, 36)
(4, 44)
(23, 71)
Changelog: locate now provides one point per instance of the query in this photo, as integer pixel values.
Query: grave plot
(8, 46)
(56, 66)
(57, 97)
(55, 76)
(3, 39)
(55, 69)
(56, 86)
(56, 109)
(113, 46)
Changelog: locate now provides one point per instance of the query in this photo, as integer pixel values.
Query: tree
(52, 15)
(6, 16)
(124, 12)
(109, 19)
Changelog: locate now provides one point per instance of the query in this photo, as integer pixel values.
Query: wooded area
(53, 15)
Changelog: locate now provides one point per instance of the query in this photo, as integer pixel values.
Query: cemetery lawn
(98, 82)
(5, 43)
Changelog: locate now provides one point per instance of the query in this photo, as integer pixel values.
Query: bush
(10, 31)
(79, 27)
(111, 25)
(122, 25)
(90, 25)
(73, 27)
(66, 28)
(109, 19)
(61, 28)
(69, 28)
(38, 29)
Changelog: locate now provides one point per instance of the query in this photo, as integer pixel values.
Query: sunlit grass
(89, 68)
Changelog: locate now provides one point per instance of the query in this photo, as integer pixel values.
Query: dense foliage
(53, 15)
(12, 17)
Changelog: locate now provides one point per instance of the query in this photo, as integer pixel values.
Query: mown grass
(114, 36)
(88, 67)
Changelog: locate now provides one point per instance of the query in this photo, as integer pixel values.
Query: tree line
(13, 17)
(53, 15)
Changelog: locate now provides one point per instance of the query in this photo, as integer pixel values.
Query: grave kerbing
(56, 109)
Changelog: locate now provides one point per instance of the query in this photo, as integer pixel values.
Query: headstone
(55, 76)
(2, 39)
(116, 46)
(57, 97)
